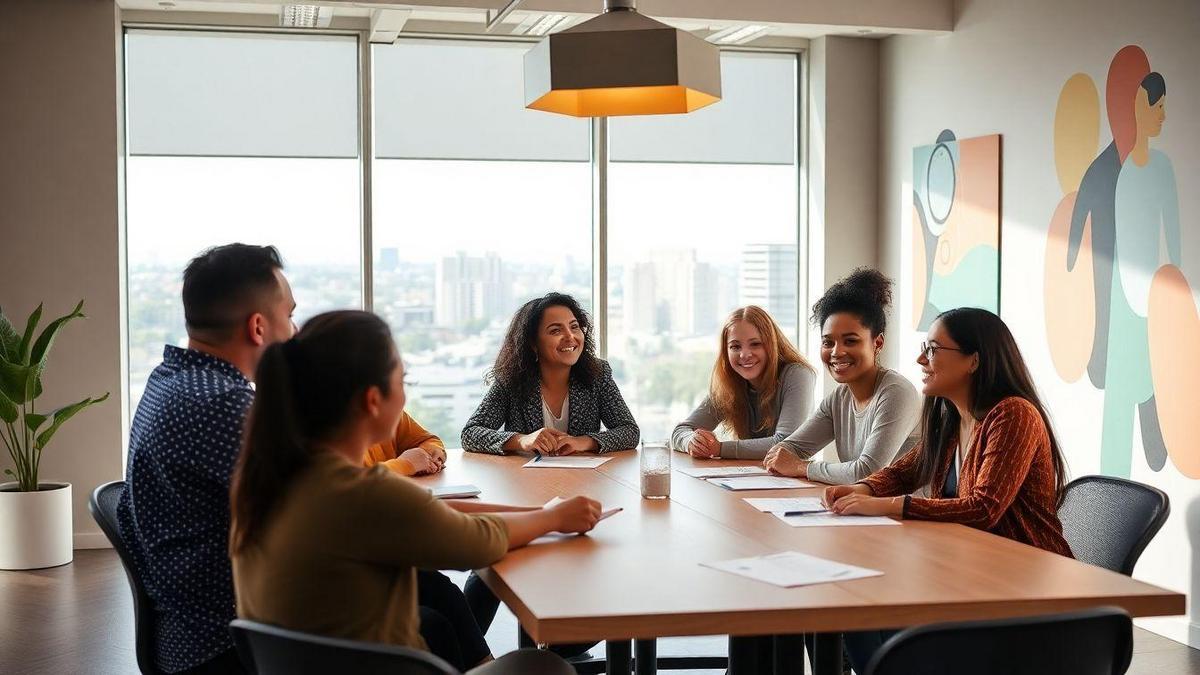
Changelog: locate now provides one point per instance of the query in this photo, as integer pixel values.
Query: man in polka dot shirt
(183, 443)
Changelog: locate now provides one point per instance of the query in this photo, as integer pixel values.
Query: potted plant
(35, 517)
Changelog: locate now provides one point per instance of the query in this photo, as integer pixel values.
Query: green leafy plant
(22, 362)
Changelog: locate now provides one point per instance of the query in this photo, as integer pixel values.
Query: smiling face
(745, 350)
(559, 337)
(847, 348)
(948, 373)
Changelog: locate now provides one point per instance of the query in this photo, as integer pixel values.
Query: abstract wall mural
(955, 226)
(1116, 300)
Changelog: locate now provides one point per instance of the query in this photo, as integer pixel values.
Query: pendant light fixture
(622, 63)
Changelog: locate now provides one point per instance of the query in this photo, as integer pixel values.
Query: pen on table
(802, 513)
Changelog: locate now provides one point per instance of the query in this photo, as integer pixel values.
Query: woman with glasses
(988, 455)
(872, 414)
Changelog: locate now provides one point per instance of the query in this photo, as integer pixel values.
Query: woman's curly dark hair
(516, 365)
(865, 293)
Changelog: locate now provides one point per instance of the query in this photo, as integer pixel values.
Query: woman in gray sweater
(761, 388)
(874, 412)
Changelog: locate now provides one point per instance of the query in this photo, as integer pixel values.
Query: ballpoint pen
(802, 513)
(537, 456)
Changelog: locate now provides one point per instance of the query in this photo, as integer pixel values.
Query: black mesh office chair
(1092, 642)
(1109, 521)
(270, 650)
(103, 505)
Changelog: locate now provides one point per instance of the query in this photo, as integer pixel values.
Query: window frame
(599, 163)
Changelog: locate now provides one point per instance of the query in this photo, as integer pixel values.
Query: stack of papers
(791, 568)
(760, 483)
(724, 471)
(565, 462)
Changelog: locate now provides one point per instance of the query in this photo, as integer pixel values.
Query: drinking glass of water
(656, 470)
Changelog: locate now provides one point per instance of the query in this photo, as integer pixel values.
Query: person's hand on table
(836, 492)
(864, 505)
(783, 462)
(544, 440)
(577, 514)
(423, 463)
(704, 445)
(569, 445)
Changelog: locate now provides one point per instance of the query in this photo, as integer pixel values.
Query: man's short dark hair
(224, 285)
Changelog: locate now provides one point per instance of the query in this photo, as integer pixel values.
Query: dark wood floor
(78, 618)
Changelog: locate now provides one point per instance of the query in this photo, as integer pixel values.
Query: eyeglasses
(928, 350)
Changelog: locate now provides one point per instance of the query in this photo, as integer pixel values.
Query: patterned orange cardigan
(1006, 485)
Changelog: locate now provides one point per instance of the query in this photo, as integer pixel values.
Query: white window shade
(241, 95)
(437, 99)
(753, 123)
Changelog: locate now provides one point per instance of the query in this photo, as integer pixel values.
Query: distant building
(470, 288)
(768, 279)
(671, 292)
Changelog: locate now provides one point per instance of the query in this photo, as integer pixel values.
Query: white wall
(1001, 72)
(59, 234)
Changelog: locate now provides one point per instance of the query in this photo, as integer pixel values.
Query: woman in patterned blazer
(549, 392)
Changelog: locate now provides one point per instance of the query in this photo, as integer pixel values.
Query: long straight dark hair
(1001, 373)
(304, 388)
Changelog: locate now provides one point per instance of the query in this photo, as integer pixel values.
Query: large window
(477, 204)
(702, 219)
(238, 137)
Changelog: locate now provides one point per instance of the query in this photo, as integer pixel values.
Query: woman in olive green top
(320, 543)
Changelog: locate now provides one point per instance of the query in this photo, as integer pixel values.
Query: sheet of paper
(759, 483)
(834, 520)
(791, 568)
(783, 504)
(723, 471)
(604, 513)
(565, 462)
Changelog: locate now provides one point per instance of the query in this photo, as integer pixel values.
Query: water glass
(656, 470)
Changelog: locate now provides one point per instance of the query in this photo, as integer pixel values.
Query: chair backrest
(271, 650)
(1109, 521)
(1091, 642)
(103, 505)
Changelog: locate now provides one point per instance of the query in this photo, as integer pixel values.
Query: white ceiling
(869, 18)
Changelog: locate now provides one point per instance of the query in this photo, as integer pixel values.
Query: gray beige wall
(59, 234)
(1001, 72)
(841, 162)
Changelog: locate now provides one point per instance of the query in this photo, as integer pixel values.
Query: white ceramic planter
(35, 527)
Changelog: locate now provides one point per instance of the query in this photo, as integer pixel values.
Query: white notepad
(724, 471)
(791, 568)
(454, 491)
(782, 504)
(760, 483)
(834, 520)
(566, 462)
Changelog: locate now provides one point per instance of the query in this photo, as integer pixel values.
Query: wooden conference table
(637, 575)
